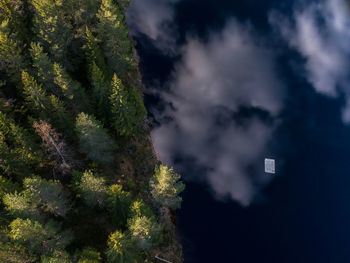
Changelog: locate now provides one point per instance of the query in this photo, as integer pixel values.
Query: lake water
(304, 215)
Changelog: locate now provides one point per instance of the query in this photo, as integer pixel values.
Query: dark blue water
(305, 213)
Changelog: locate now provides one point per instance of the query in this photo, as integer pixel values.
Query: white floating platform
(270, 166)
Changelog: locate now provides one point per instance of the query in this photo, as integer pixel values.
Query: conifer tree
(15, 253)
(118, 204)
(144, 231)
(166, 187)
(89, 255)
(93, 51)
(70, 89)
(52, 28)
(39, 196)
(18, 151)
(101, 90)
(44, 106)
(127, 108)
(92, 189)
(13, 12)
(94, 141)
(58, 256)
(43, 67)
(114, 36)
(35, 95)
(11, 60)
(42, 239)
(6, 186)
(121, 249)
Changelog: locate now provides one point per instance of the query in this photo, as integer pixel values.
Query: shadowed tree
(121, 249)
(92, 189)
(15, 253)
(70, 89)
(94, 140)
(18, 151)
(39, 195)
(12, 34)
(89, 255)
(42, 239)
(113, 33)
(43, 67)
(128, 111)
(118, 204)
(52, 28)
(44, 106)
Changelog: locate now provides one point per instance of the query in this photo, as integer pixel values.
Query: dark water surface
(305, 213)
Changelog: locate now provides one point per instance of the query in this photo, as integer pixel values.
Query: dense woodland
(79, 181)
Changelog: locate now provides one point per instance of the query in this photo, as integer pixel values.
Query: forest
(79, 179)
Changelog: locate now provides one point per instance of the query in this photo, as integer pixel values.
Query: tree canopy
(75, 154)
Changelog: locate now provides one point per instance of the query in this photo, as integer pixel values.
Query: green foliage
(21, 205)
(101, 90)
(12, 32)
(127, 108)
(94, 140)
(43, 66)
(42, 105)
(113, 34)
(14, 253)
(70, 89)
(93, 50)
(144, 231)
(118, 204)
(89, 255)
(121, 250)
(68, 80)
(42, 239)
(18, 151)
(57, 257)
(6, 186)
(39, 195)
(166, 187)
(92, 189)
(52, 28)
(11, 60)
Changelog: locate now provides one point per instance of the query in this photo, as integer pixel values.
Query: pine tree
(118, 204)
(39, 196)
(71, 90)
(121, 249)
(166, 187)
(113, 33)
(144, 231)
(18, 152)
(58, 256)
(11, 60)
(94, 141)
(6, 186)
(43, 239)
(52, 28)
(101, 90)
(93, 51)
(89, 255)
(43, 67)
(46, 107)
(13, 11)
(127, 108)
(14, 253)
(92, 189)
